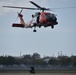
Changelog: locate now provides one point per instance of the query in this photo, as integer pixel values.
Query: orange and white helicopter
(39, 19)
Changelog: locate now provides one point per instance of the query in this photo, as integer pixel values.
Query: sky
(46, 41)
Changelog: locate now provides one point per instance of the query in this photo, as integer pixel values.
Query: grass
(44, 71)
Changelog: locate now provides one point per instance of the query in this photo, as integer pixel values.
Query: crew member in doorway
(38, 17)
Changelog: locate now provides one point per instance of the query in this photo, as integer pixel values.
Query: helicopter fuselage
(47, 17)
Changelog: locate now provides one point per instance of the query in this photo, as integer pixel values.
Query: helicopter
(39, 19)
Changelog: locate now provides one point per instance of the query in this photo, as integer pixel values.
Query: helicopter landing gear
(34, 29)
(52, 26)
(39, 26)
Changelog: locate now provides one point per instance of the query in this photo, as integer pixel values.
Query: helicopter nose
(54, 19)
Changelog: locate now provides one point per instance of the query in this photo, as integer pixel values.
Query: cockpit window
(49, 15)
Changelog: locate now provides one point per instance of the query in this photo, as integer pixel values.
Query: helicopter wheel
(34, 31)
(39, 26)
(52, 26)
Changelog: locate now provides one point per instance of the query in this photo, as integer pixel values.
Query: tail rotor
(19, 13)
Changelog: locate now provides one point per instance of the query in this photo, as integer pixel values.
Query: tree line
(36, 59)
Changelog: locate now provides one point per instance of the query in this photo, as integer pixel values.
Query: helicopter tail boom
(21, 24)
(18, 25)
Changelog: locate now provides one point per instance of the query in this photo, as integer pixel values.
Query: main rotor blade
(35, 4)
(39, 7)
(21, 7)
(65, 7)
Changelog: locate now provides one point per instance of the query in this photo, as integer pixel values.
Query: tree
(27, 59)
(36, 56)
(7, 60)
(53, 61)
(73, 58)
(64, 60)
